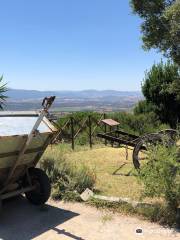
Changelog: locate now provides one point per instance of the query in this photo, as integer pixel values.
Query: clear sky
(72, 45)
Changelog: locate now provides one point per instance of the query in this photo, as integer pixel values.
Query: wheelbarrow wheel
(43, 187)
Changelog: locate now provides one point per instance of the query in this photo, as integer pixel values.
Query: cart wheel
(170, 136)
(43, 188)
(141, 148)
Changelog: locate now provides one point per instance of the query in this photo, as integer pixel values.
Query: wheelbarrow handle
(47, 102)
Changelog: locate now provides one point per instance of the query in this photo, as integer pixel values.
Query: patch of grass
(107, 217)
(121, 207)
(105, 163)
(94, 169)
(68, 179)
(154, 213)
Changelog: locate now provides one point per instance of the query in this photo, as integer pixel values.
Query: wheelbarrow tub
(10, 149)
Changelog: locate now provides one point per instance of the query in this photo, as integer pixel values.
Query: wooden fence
(71, 128)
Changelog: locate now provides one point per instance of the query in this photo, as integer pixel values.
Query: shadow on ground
(21, 220)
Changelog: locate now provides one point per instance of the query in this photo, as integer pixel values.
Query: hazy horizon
(94, 100)
(69, 90)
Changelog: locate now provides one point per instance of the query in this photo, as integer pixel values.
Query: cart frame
(13, 184)
(138, 143)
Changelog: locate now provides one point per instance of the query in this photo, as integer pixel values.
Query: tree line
(161, 85)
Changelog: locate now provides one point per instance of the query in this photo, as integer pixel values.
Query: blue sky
(72, 45)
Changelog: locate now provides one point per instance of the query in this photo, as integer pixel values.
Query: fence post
(90, 131)
(72, 132)
(112, 142)
(105, 129)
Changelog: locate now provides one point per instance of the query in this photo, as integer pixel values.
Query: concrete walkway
(57, 220)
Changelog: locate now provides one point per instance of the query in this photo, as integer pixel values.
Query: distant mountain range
(93, 100)
(16, 94)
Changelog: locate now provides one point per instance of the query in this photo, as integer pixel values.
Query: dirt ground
(57, 220)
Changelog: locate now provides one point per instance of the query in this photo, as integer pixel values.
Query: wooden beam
(16, 153)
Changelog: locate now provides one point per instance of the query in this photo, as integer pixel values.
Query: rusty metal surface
(110, 122)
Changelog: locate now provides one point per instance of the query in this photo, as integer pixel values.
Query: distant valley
(68, 101)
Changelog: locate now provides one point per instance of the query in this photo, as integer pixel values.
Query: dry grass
(104, 161)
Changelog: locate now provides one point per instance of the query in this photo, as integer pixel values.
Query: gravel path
(22, 221)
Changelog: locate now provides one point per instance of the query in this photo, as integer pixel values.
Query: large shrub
(161, 178)
(68, 180)
(160, 91)
(144, 107)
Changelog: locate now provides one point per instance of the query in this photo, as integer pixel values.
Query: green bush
(3, 90)
(139, 124)
(68, 181)
(161, 178)
(160, 89)
(144, 107)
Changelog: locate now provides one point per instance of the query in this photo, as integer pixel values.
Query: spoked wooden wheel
(167, 137)
(142, 146)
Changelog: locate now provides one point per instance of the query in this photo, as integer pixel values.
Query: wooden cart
(20, 153)
(140, 144)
